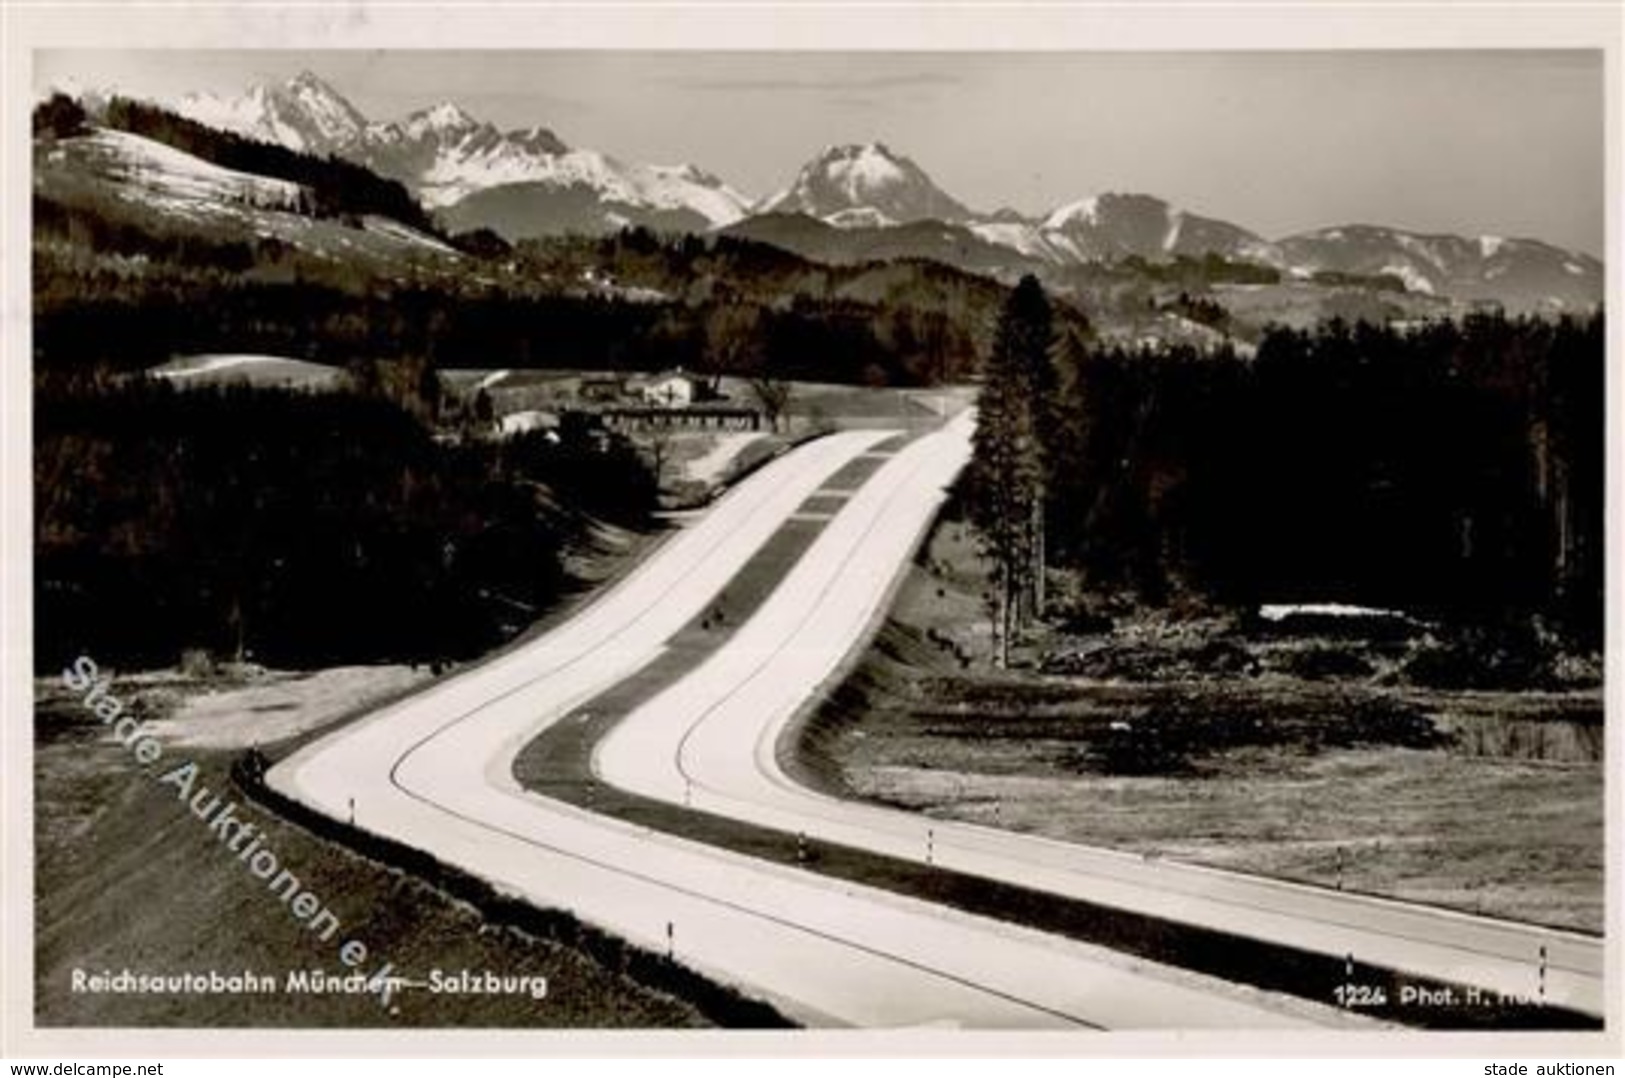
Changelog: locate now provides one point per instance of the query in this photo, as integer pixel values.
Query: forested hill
(299, 529)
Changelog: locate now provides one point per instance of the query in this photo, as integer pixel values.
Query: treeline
(1209, 269)
(297, 529)
(1454, 470)
(100, 226)
(130, 324)
(902, 322)
(1182, 271)
(102, 313)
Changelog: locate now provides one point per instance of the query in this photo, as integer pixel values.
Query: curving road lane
(711, 741)
(436, 771)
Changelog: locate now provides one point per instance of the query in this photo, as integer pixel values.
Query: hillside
(108, 179)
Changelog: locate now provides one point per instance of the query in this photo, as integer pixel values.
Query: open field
(695, 465)
(259, 707)
(1305, 758)
(133, 881)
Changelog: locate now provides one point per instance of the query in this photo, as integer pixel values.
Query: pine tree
(1006, 482)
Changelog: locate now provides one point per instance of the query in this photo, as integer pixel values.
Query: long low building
(692, 417)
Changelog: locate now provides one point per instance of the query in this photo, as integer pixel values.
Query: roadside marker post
(930, 846)
(1543, 973)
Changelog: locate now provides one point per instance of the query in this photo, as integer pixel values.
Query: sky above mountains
(1506, 142)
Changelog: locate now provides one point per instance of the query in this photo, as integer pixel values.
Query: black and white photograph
(798, 539)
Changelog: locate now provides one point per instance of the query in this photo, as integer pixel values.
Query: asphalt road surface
(711, 741)
(436, 771)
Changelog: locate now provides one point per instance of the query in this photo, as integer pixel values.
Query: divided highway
(712, 741)
(436, 771)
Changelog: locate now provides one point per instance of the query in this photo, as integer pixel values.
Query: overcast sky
(1506, 142)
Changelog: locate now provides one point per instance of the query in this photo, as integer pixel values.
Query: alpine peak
(865, 181)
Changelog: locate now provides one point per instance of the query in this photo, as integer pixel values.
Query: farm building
(683, 417)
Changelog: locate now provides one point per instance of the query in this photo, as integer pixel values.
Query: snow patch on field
(166, 172)
(859, 217)
(1421, 249)
(197, 365)
(1024, 238)
(1176, 223)
(156, 177)
(1282, 611)
(1415, 280)
(280, 705)
(714, 464)
(385, 226)
(258, 369)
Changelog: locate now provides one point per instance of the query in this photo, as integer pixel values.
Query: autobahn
(713, 741)
(435, 771)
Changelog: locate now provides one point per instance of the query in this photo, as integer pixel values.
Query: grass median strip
(558, 764)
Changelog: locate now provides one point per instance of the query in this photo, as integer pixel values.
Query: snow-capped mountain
(1119, 225)
(586, 191)
(872, 186)
(446, 157)
(865, 186)
(1114, 226)
(857, 203)
(303, 114)
(1521, 273)
(851, 202)
(443, 153)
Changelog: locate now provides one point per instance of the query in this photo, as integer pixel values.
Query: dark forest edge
(301, 529)
(1453, 471)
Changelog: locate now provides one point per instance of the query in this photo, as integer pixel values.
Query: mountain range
(855, 202)
(472, 172)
